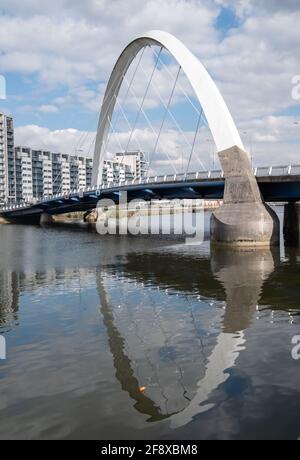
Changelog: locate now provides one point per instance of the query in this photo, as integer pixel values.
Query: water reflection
(9, 297)
(142, 336)
(91, 321)
(242, 273)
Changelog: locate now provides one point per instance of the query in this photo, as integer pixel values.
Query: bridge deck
(274, 188)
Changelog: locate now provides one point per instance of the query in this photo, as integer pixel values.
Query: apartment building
(78, 168)
(7, 161)
(136, 161)
(41, 173)
(23, 165)
(113, 171)
(27, 174)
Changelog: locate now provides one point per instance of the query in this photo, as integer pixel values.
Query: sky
(56, 58)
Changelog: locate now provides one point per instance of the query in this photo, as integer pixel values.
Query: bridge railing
(263, 171)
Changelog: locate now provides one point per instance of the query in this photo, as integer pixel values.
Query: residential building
(42, 183)
(78, 177)
(136, 161)
(27, 174)
(7, 161)
(41, 173)
(23, 164)
(113, 171)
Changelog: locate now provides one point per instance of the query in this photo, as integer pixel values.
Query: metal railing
(263, 171)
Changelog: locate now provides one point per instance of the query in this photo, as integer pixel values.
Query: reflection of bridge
(215, 345)
(208, 341)
(244, 218)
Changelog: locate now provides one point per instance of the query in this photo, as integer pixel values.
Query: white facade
(42, 173)
(115, 171)
(39, 173)
(78, 170)
(7, 164)
(135, 160)
(23, 162)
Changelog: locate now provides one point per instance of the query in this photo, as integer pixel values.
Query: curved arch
(222, 127)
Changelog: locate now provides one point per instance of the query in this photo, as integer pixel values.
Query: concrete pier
(243, 219)
(291, 226)
(46, 218)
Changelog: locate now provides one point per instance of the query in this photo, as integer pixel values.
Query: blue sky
(56, 61)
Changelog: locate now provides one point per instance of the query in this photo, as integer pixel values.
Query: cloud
(73, 45)
(64, 140)
(48, 108)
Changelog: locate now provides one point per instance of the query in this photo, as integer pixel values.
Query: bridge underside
(273, 189)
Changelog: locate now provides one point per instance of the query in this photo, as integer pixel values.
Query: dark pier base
(291, 226)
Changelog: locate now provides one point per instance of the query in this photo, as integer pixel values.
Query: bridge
(277, 184)
(243, 219)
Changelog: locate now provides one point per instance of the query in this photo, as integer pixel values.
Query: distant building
(24, 183)
(27, 174)
(42, 173)
(113, 171)
(136, 161)
(7, 162)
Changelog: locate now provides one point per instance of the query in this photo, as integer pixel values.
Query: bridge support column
(46, 218)
(291, 226)
(243, 219)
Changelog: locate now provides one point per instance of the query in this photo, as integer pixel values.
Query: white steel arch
(221, 124)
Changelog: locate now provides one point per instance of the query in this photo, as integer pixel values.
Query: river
(119, 337)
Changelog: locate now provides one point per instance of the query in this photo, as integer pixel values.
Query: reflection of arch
(242, 275)
(220, 122)
(122, 363)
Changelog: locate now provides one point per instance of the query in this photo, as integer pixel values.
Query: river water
(137, 337)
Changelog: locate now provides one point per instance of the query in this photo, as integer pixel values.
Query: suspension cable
(177, 124)
(118, 140)
(194, 141)
(143, 99)
(164, 117)
(127, 93)
(128, 123)
(148, 121)
(179, 86)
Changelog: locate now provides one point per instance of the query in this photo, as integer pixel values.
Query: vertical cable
(143, 100)
(193, 145)
(164, 118)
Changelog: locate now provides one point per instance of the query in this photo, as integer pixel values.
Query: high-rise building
(24, 185)
(42, 183)
(41, 173)
(136, 161)
(7, 161)
(89, 171)
(113, 171)
(27, 174)
(77, 172)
